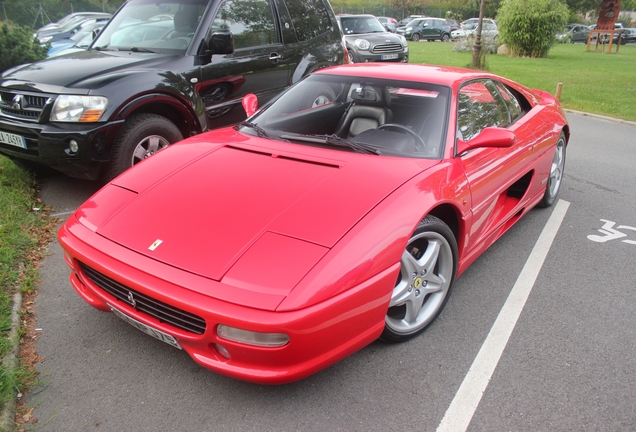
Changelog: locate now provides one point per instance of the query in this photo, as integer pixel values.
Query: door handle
(275, 56)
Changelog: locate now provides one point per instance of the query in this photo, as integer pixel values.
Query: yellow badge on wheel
(417, 282)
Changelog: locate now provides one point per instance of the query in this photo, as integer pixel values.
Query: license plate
(164, 337)
(389, 56)
(12, 139)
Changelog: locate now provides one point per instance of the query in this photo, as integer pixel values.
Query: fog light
(269, 340)
(73, 146)
(221, 350)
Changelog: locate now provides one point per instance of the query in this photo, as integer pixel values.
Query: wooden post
(558, 91)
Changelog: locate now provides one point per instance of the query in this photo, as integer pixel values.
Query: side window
(478, 108)
(514, 107)
(250, 21)
(309, 18)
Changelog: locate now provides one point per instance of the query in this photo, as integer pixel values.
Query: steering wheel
(420, 145)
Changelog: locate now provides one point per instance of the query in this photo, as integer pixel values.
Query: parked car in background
(82, 39)
(426, 29)
(70, 28)
(475, 21)
(368, 41)
(149, 80)
(76, 16)
(576, 33)
(488, 29)
(270, 250)
(389, 23)
(454, 25)
(628, 36)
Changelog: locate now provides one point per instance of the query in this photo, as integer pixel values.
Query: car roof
(355, 15)
(441, 75)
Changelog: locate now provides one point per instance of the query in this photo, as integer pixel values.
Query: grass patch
(594, 82)
(25, 229)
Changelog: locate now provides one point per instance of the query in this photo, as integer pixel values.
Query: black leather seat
(370, 110)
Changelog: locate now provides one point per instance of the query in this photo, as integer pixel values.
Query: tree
(529, 28)
(18, 46)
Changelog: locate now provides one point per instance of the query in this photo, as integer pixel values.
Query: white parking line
(463, 407)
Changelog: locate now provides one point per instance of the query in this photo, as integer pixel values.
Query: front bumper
(48, 144)
(367, 57)
(320, 335)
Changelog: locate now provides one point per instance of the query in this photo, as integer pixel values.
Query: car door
(580, 33)
(430, 30)
(495, 175)
(258, 64)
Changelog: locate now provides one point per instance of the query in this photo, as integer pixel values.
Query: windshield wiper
(256, 128)
(334, 140)
(144, 50)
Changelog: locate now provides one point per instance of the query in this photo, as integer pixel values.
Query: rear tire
(141, 136)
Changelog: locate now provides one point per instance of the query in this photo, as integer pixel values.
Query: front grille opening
(165, 313)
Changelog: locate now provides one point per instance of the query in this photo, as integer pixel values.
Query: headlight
(270, 340)
(362, 44)
(84, 109)
(403, 41)
(409, 29)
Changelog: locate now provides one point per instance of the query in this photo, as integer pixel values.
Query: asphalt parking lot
(568, 362)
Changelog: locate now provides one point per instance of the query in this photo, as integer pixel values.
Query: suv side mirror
(220, 42)
(216, 42)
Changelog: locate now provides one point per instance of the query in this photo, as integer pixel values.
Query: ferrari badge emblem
(155, 245)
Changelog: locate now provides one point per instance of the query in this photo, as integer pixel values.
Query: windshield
(152, 26)
(379, 116)
(359, 25)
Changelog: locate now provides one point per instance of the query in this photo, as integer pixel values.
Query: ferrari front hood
(203, 217)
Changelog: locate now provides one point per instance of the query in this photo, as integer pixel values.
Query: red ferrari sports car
(337, 214)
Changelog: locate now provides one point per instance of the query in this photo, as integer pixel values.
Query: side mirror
(250, 104)
(488, 137)
(220, 42)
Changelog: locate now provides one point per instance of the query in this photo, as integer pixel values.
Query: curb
(11, 361)
(600, 117)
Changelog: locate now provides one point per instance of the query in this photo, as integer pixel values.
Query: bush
(18, 46)
(489, 44)
(529, 28)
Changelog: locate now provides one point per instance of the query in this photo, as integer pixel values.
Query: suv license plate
(389, 56)
(12, 139)
(164, 337)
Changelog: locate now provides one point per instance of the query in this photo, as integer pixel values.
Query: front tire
(415, 37)
(556, 174)
(351, 58)
(427, 274)
(141, 136)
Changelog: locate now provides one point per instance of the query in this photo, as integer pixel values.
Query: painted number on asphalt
(611, 233)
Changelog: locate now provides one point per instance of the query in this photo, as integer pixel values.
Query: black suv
(160, 71)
